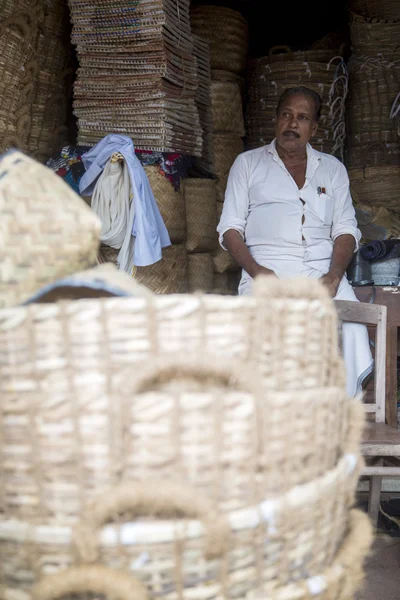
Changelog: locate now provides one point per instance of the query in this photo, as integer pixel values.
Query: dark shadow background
(295, 24)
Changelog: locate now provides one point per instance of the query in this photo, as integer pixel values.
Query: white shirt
(263, 203)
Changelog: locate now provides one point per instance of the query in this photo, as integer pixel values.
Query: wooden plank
(359, 312)
(391, 375)
(381, 471)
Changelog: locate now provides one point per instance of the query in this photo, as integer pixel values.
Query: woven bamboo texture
(226, 148)
(374, 86)
(221, 284)
(201, 214)
(227, 109)
(38, 210)
(384, 10)
(222, 260)
(170, 203)
(137, 74)
(203, 102)
(379, 186)
(167, 276)
(343, 579)
(16, 37)
(322, 505)
(200, 273)
(371, 37)
(319, 70)
(220, 75)
(227, 33)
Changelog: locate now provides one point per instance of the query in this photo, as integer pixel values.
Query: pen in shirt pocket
(321, 190)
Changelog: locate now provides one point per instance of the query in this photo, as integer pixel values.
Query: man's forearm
(237, 248)
(343, 250)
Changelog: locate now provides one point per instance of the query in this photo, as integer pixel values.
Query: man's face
(295, 122)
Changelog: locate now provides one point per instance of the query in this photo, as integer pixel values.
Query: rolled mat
(381, 249)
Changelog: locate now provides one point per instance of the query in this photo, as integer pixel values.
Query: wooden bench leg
(375, 487)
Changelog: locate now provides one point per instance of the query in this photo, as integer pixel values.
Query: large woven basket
(201, 272)
(226, 148)
(343, 578)
(170, 203)
(372, 37)
(201, 214)
(379, 186)
(167, 276)
(159, 401)
(16, 35)
(385, 10)
(270, 543)
(46, 230)
(227, 110)
(374, 86)
(227, 33)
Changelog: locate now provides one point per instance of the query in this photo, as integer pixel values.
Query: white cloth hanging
(113, 203)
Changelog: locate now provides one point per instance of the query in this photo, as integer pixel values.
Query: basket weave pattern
(167, 276)
(200, 273)
(201, 214)
(226, 148)
(37, 209)
(170, 203)
(227, 108)
(227, 33)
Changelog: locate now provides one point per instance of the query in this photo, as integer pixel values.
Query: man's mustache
(288, 132)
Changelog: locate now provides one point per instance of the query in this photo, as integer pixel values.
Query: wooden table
(389, 297)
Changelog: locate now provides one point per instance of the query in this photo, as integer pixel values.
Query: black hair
(301, 90)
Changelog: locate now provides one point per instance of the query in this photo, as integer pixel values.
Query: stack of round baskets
(17, 33)
(321, 70)
(384, 10)
(227, 34)
(110, 486)
(373, 154)
(201, 224)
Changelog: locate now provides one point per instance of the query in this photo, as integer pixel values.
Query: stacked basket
(110, 487)
(137, 74)
(373, 143)
(226, 33)
(321, 70)
(17, 35)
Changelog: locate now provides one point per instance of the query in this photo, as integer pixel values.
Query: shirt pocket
(323, 205)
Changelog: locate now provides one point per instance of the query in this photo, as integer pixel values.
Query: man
(288, 212)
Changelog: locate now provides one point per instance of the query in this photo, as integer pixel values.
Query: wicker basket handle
(150, 498)
(280, 49)
(378, 146)
(97, 579)
(18, 23)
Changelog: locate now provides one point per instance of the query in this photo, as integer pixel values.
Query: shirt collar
(312, 156)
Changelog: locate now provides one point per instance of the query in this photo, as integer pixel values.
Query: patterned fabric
(68, 164)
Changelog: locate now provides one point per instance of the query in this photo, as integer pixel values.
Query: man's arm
(237, 248)
(343, 250)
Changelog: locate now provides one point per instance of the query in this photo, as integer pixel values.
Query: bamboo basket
(343, 579)
(167, 276)
(226, 148)
(167, 555)
(200, 273)
(227, 33)
(227, 110)
(370, 37)
(201, 214)
(379, 186)
(385, 10)
(16, 35)
(170, 203)
(374, 85)
(193, 391)
(220, 75)
(38, 211)
(221, 284)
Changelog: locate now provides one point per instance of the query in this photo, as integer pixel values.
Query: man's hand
(332, 282)
(259, 270)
